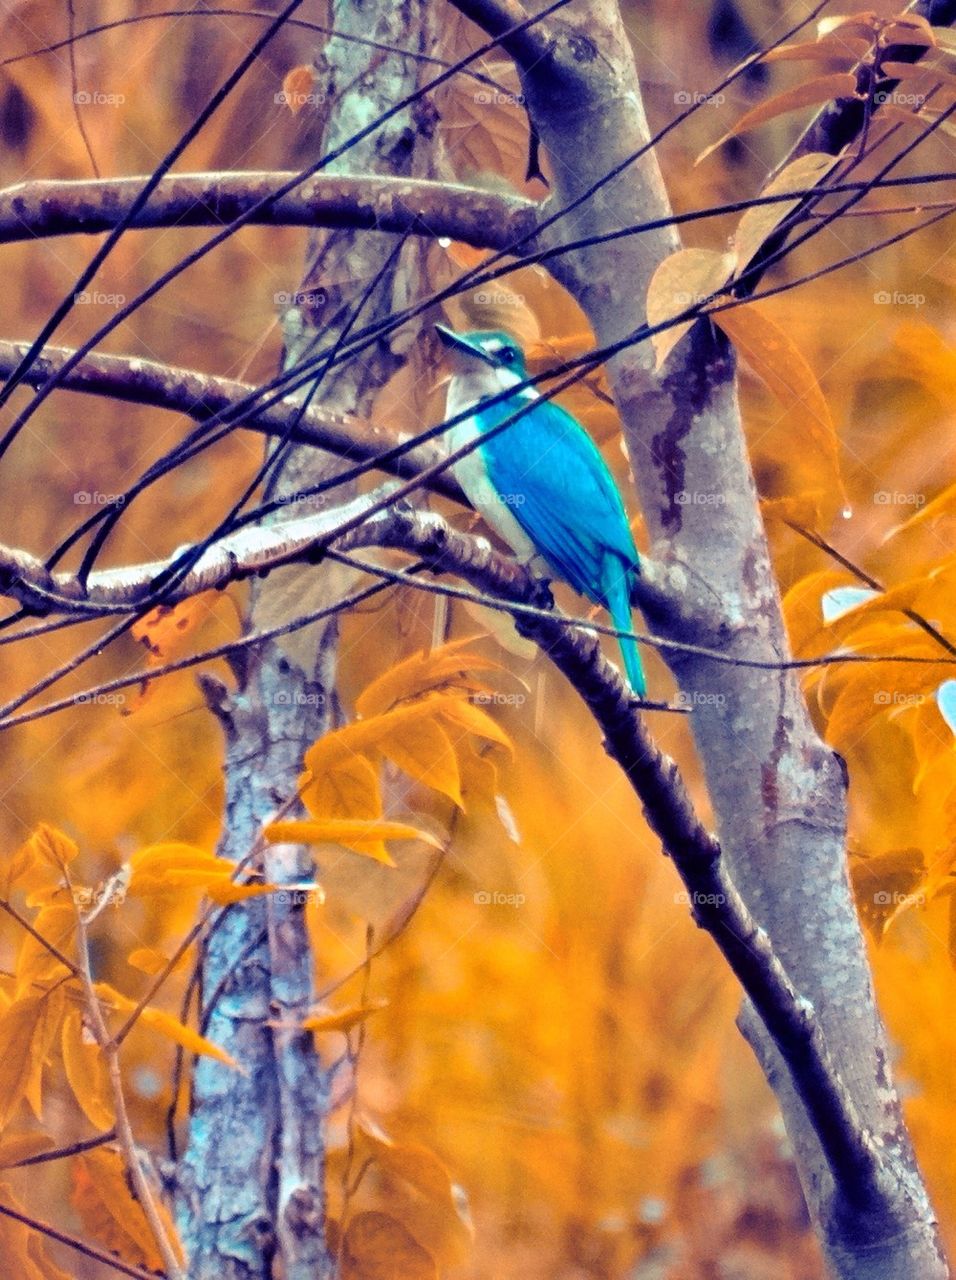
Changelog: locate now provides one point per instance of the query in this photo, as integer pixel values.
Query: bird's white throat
(465, 390)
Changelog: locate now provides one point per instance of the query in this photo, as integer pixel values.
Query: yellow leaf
(758, 222)
(86, 1072)
(423, 749)
(377, 1247)
(349, 790)
(111, 1214)
(445, 667)
(225, 890)
(777, 361)
(365, 837)
(687, 279)
(884, 882)
(864, 21)
(165, 1024)
(410, 734)
(869, 691)
(45, 1269)
(52, 1009)
(466, 715)
(37, 963)
(38, 864)
(26, 1035)
(173, 1029)
(147, 960)
(21, 1249)
(342, 1019)
(812, 93)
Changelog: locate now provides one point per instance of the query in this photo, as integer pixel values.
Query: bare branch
(73, 1242)
(51, 207)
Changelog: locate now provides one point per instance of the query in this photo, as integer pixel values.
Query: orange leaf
(365, 837)
(777, 360)
(165, 1024)
(377, 1247)
(342, 1019)
(444, 668)
(111, 1214)
(833, 46)
(86, 1072)
(26, 1034)
(298, 88)
(812, 93)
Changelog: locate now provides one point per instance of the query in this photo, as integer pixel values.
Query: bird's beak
(458, 344)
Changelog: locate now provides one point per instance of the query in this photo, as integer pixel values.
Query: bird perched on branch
(541, 483)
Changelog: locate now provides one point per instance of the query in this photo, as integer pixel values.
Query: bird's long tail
(616, 577)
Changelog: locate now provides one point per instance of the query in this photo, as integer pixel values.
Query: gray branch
(54, 207)
(203, 396)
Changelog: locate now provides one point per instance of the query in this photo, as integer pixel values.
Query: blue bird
(541, 483)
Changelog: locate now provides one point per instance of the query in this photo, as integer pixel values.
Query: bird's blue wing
(560, 491)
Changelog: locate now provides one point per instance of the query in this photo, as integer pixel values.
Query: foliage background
(570, 1055)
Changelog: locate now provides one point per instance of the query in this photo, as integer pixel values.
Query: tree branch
(53, 207)
(204, 395)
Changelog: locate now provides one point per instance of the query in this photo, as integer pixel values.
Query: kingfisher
(541, 483)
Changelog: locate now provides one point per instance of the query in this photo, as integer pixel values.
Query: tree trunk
(252, 1176)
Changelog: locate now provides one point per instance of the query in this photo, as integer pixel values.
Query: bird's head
(485, 349)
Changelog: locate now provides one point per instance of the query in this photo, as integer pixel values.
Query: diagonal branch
(204, 396)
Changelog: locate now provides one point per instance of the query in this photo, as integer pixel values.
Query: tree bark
(252, 1197)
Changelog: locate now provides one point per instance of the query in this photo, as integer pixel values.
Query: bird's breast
(471, 472)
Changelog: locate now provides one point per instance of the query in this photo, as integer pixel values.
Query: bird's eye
(507, 354)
